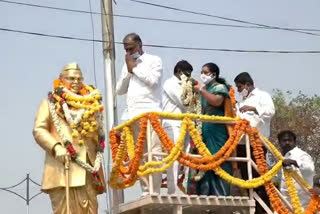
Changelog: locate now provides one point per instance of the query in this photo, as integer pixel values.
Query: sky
(30, 63)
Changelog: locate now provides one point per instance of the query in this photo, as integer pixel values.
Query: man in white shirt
(173, 103)
(141, 81)
(298, 160)
(257, 107)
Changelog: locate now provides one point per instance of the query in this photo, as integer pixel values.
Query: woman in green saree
(213, 98)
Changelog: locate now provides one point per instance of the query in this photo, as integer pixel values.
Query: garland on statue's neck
(84, 115)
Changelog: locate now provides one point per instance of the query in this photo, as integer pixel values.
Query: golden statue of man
(69, 124)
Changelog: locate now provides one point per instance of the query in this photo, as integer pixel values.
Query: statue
(69, 125)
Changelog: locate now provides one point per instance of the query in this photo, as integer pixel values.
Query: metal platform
(178, 204)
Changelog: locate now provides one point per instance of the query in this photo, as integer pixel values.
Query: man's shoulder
(170, 82)
(151, 57)
(260, 92)
(299, 152)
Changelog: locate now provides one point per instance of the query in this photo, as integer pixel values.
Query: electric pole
(114, 197)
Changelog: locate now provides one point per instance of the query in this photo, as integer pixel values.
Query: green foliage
(300, 114)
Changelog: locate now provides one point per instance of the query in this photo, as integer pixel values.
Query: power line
(224, 18)
(165, 46)
(157, 19)
(93, 44)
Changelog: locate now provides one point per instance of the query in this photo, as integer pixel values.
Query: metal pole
(249, 167)
(109, 80)
(27, 193)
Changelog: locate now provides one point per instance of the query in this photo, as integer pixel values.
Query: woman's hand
(196, 88)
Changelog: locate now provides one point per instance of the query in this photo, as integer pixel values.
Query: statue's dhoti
(83, 200)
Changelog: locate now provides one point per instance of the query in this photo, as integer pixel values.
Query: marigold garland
(79, 110)
(292, 193)
(259, 156)
(128, 176)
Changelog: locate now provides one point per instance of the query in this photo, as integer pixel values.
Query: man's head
(287, 141)
(133, 45)
(183, 67)
(71, 77)
(244, 83)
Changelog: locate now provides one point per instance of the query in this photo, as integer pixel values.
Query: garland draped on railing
(127, 156)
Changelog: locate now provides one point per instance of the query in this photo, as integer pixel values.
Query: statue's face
(72, 79)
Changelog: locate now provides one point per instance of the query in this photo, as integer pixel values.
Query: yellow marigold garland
(295, 201)
(175, 150)
(175, 153)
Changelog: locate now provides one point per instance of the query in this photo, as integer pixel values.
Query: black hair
(182, 65)
(135, 37)
(289, 133)
(215, 69)
(244, 78)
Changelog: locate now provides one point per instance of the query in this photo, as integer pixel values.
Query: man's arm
(153, 75)
(123, 83)
(41, 130)
(265, 109)
(306, 165)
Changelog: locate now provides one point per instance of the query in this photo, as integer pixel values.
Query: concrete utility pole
(115, 197)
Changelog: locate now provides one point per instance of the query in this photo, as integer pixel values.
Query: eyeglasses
(72, 79)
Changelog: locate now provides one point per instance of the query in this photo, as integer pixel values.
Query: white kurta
(143, 86)
(143, 90)
(263, 103)
(306, 170)
(172, 103)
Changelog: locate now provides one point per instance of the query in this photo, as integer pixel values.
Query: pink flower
(102, 144)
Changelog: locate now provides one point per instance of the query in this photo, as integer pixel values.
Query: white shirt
(306, 170)
(171, 100)
(263, 103)
(143, 86)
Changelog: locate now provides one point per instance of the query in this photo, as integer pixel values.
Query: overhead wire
(167, 46)
(157, 19)
(223, 18)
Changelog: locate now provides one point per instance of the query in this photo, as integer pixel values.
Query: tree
(300, 114)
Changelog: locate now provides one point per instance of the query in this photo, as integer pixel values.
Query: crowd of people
(141, 81)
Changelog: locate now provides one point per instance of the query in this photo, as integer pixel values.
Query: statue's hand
(60, 153)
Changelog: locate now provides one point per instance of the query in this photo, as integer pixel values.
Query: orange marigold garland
(210, 162)
(314, 205)
(262, 166)
(134, 164)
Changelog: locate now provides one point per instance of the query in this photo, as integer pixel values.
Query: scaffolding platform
(178, 204)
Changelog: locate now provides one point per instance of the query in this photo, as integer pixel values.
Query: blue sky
(30, 63)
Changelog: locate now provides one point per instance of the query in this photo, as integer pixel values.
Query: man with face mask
(257, 107)
(140, 81)
(173, 103)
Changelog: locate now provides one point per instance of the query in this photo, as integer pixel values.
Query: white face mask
(244, 93)
(135, 55)
(206, 79)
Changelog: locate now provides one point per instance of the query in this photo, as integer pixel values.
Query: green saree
(214, 136)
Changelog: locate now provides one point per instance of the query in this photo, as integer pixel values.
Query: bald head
(132, 37)
(132, 43)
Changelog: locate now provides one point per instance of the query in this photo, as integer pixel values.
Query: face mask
(244, 93)
(135, 56)
(206, 79)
